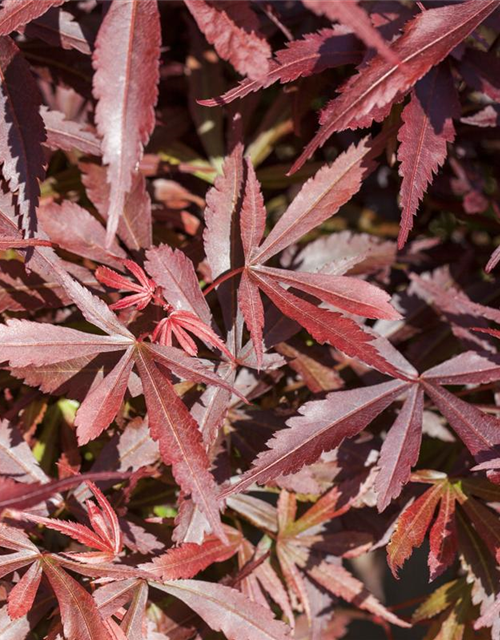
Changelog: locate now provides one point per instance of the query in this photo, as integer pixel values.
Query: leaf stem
(221, 279)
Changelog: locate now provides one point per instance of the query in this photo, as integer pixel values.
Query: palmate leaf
(318, 199)
(125, 84)
(233, 30)
(300, 555)
(426, 41)
(26, 345)
(323, 424)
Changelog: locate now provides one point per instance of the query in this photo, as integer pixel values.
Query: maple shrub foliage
(249, 306)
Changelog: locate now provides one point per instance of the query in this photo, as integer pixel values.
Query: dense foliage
(249, 364)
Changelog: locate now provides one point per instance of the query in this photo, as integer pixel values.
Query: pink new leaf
(426, 130)
(126, 75)
(233, 30)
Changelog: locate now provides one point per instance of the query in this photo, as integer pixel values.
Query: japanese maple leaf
(36, 352)
(459, 501)
(125, 85)
(319, 198)
(178, 321)
(79, 614)
(323, 424)
(301, 545)
(425, 42)
(105, 535)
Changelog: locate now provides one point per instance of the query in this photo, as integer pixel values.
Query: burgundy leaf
(302, 58)
(349, 294)
(352, 15)
(180, 441)
(27, 343)
(400, 449)
(134, 226)
(426, 41)
(68, 135)
(227, 610)
(233, 30)
(321, 197)
(125, 84)
(426, 130)
(59, 28)
(80, 618)
(252, 309)
(75, 229)
(322, 426)
(172, 270)
(16, 13)
(479, 432)
(102, 404)
(325, 326)
(22, 131)
(21, 597)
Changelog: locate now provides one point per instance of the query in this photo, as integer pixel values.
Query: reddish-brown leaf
(427, 129)
(22, 131)
(355, 17)
(16, 13)
(426, 41)
(400, 449)
(412, 526)
(180, 441)
(125, 84)
(233, 30)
